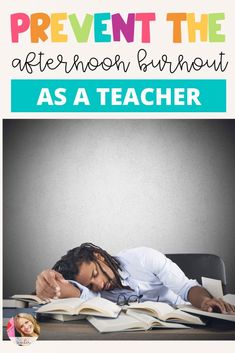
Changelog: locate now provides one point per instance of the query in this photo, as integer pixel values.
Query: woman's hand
(218, 305)
(48, 284)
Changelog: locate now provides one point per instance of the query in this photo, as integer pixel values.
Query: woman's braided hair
(69, 264)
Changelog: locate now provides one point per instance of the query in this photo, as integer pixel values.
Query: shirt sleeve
(85, 292)
(168, 272)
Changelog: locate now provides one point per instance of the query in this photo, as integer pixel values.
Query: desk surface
(82, 330)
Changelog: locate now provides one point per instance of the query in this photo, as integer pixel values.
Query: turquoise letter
(100, 27)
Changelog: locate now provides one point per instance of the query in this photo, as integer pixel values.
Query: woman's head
(91, 266)
(26, 325)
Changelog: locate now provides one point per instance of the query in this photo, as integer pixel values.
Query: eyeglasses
(123, 300)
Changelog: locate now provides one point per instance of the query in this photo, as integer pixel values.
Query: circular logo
(23, 329)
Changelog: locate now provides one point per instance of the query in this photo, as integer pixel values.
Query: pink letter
(145, 18)
(17, 27)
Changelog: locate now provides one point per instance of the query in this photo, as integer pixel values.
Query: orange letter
(38, 29)
(177, 18)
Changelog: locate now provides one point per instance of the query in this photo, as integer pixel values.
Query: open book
(164, 312)
(214, 287)
(30, 298)
(75, 306)
(191, 309)
(130, 322)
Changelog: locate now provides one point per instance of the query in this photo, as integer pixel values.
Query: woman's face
(25, 326)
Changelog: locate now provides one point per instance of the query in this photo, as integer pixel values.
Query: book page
(101, 305)
(153, 322)
(178, 315)
(28, 297)
(229, 298)
(122, 323)
(165, 312)
(157, 309)
(193, 310)
(214, 286)
(69, 305)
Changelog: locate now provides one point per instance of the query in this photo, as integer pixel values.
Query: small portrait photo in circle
(23, 329)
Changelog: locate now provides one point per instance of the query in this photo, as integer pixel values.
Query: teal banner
(118, 96)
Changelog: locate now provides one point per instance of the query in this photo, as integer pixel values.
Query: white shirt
(149, 274)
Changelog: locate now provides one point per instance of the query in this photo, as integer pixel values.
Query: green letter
(81, 32)
(215, 27)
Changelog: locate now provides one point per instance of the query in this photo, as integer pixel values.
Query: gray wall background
(167, 184)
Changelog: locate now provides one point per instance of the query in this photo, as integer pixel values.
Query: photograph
(121, 218)
(117, 155)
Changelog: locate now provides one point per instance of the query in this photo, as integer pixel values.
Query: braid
(69, 264)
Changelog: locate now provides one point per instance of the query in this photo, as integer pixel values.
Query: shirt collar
(123, 273)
